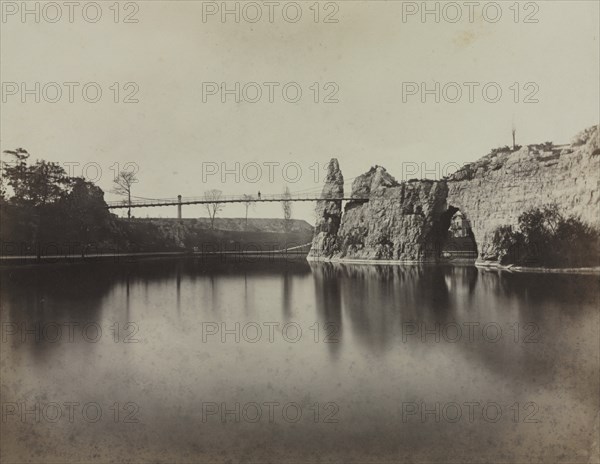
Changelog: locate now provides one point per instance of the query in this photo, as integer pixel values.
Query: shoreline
(123, 258)
(538, 270)
(10, 261)
(478, 264)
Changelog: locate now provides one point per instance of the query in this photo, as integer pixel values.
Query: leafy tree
(546, 237)
(44, 208)
(508, 243)
(35, 185)
(576, 242)
(538, 227)
(36, 188)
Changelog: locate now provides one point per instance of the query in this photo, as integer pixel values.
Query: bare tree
(214, 206)
(248, 202)
(123, 184)
(287, 209)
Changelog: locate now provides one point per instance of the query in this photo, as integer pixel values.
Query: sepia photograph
(300, 232)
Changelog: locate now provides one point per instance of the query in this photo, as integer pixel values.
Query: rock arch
(457, 238)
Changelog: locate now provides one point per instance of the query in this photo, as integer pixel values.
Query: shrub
(508, 244)
(545, 237)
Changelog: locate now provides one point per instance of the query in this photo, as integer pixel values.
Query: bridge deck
(223, 199)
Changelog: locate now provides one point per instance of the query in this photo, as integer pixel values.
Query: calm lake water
(273, 361)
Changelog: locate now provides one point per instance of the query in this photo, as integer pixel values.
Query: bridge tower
(178, 206)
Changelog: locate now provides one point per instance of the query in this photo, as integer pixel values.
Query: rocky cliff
(399, 222)
(329, 214)
(407, 221)
(496, 189)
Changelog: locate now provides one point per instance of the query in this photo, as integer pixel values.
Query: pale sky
(367, 55)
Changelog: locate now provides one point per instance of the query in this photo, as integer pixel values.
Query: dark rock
(328, 214)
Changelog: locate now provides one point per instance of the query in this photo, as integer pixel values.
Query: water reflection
(393, 333)
(328, 302)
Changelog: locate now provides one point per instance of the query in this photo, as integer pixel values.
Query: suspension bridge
(179, 201)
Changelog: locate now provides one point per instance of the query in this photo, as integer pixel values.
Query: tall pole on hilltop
(514, 131)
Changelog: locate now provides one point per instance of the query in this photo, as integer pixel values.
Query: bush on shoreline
(545, 237)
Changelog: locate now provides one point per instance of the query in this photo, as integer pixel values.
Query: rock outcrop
(397, 223)
(407, 221)
(496, 189)
(328, 214)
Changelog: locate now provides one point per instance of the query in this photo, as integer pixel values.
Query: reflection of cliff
(328, 299)
(379, 299)
(408, 221)
(407, 307)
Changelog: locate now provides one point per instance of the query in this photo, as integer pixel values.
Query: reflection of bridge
(179, 201)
